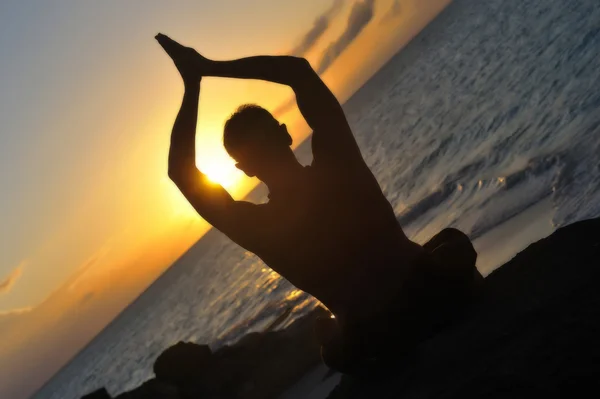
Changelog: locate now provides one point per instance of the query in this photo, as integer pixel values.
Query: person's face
(260, 152)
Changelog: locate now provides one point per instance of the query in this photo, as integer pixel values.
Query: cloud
(394, 12)
(360, 15)
(319, 27)
(7, 283)
(82, 272)
(9, 317)
(86, 298)
(15, 312)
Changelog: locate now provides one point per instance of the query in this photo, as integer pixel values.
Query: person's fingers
(162, 39)
(165, 47)
(169, 45)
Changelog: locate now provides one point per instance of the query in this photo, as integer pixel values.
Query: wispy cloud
(86, 298)
(15, 312)
(319, 27)
(360, 15)
(9, 281)
(81, 273)
(394, 12)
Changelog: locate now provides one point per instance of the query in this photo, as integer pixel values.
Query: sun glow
(221, 171)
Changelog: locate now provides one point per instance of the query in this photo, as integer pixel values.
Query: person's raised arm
(211, 201)
(332, 137)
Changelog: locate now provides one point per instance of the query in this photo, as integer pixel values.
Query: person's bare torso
(333, 236)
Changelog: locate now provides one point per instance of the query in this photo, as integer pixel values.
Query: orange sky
(98, 220)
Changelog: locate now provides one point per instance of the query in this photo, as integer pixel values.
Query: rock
(157, 389)
(183, 362)
(260, 365)
(101, 393)
(533, 334)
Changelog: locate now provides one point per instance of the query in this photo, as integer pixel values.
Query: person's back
(334, 235)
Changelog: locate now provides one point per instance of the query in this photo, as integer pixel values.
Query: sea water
(492, 110)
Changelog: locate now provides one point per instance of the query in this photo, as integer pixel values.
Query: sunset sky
(87, 101)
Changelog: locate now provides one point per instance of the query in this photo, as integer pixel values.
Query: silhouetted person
(327, 228)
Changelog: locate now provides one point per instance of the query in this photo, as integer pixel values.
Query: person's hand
(190, 64)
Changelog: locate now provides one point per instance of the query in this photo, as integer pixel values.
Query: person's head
(255, 140)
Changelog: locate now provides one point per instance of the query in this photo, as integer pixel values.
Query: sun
(215, 162)
(221, 171)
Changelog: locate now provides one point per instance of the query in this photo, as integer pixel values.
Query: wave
(489, 202)
(426, 204)
(272, 316)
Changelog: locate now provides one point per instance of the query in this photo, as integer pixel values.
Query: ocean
(492, 112)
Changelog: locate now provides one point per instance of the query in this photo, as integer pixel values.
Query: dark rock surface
(101, 393)
(260, 365)
(536, 332)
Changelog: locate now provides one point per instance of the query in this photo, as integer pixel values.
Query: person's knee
(454, 249)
